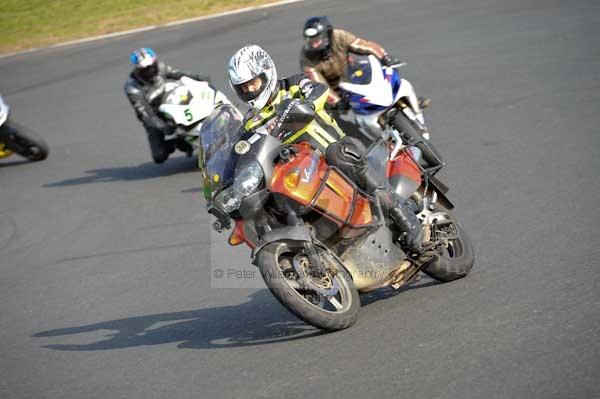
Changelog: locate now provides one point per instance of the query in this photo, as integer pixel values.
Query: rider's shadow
(259, 321)
(147, 170)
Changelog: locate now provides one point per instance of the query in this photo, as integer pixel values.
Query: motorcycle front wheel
(280, 264)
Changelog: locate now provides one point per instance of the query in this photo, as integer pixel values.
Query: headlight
(249, 179)
(228, 200)
(244, 184)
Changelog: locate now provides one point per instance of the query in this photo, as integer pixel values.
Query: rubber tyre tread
(292, 301)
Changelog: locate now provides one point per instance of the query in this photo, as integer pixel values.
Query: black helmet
(317, 36)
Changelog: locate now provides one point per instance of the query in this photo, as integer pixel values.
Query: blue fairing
(363, 108)
(359, 73)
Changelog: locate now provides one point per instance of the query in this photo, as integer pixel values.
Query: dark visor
(148, 72)
(318, 41)
(249, 96)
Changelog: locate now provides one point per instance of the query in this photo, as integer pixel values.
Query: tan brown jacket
(332, 68)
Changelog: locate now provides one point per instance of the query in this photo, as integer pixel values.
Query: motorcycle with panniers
(317, 239)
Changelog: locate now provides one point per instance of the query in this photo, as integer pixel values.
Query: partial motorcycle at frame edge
(17, 139)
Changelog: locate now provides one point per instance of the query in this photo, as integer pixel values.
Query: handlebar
(401, 64)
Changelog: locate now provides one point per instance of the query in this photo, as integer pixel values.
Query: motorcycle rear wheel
(328, 313)
(24, 142)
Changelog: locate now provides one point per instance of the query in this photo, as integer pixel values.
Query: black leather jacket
(145, 96)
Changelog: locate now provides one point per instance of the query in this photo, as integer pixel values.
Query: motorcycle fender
(441, 191)
(253, 203)
(439, 186)
(287, 233)
(407, 95)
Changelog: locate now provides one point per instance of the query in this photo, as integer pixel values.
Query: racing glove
(342, 106)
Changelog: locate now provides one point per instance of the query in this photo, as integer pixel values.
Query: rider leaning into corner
(253, 76)
(149, 75)
(324, 57)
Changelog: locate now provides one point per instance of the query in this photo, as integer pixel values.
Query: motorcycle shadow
(4, 164)
(260, 321)
(389, 292)
(192, 190)
(147, 170)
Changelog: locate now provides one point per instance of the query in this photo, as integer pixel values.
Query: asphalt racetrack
(107, 286)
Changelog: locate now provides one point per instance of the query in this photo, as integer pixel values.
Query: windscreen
(218, 135)
(359, 69)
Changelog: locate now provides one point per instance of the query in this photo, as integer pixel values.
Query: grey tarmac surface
(105, 258)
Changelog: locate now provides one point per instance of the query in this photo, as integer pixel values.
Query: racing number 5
(188, 115)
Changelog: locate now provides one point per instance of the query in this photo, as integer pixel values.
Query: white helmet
(247, 63)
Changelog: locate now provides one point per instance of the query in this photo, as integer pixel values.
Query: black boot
(369, 180)
(404, 217)
(347, 156)
(411, 231)
(186, 147)
(411, 235)
(160, 148)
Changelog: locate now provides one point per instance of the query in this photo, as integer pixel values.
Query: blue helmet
(144, 61)
(143, 57)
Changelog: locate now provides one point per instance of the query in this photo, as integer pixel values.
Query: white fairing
(406, 91)
(379, 92)
(4, 109)
(204, 100)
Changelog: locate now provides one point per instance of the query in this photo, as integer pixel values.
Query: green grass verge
(35, 23)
